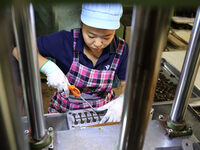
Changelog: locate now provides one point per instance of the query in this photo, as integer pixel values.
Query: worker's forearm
(15, 54)
(41, 59)
(123, 85)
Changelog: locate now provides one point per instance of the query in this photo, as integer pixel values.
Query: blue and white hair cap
(102, 15)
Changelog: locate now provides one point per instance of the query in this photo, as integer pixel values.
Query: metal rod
(11, 127)
(188, 74)
(24, 26)
(148, 38)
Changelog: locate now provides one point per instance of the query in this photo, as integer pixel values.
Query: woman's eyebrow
(108, 34)
(91, 33)
(103, 35)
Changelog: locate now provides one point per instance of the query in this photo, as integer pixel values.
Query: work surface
(107, 138)
(176, 59)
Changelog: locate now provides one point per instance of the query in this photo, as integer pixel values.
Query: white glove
(114, 111)
(55, 77)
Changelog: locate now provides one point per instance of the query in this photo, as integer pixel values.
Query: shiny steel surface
(107, 137)
(155, 138)
(188, 74)
(95, 138)
(11, 127)
(148, 38)
(24, 25)
(192, 119)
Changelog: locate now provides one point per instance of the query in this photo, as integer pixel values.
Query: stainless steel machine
(175, 125)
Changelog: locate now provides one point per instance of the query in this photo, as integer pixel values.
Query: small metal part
(92, 114)
(51, 147)
(50, 129)
(26, 132)
(75, 121)
(99, 117)
(88, 120)
(176, 126)
(161, 117)
(170, 130)
(82, 122)
(88, 103)
(42, 143)
(151, 114)
(52, 134)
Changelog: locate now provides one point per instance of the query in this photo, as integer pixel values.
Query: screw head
(161, 117)
(51, 146)
(26, 131)
(50, 129)
(170, 130)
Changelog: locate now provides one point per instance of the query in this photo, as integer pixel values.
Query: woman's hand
(55, 77)
(114, 110)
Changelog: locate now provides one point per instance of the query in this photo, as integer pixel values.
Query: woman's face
(97, 39)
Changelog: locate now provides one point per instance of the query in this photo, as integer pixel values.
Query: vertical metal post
(24, 25)
(148, 38)
(11, 127)
(188, 74)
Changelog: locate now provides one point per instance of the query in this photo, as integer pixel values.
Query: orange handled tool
(75, 91)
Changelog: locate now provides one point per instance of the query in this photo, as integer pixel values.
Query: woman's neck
(93, 56)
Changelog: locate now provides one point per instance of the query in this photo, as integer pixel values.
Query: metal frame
(11, 126)
(188, 74)
(24, 28)
(149, 34)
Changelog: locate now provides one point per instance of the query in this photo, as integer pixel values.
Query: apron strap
(118, 54)
(76, 33)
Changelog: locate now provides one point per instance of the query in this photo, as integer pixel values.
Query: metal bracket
(175, 131)
(46, 142)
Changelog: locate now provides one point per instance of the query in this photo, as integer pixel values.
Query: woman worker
(88, 58)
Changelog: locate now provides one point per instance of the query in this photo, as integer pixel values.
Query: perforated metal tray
(83, 118)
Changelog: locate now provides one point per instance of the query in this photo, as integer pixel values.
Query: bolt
(51, 146)
(50, 129)
(161, 117)
(26, 132)
(170, 130)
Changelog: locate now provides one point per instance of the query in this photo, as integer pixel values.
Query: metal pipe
(11, 127)
(188, 74)
(24, 26)
(148, 36)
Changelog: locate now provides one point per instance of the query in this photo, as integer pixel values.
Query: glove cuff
(121, 96)
(44, 65)
(48, 67)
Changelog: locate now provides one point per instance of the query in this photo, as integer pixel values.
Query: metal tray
(167, 83)
(83, 118)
